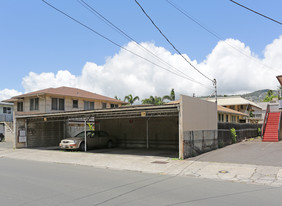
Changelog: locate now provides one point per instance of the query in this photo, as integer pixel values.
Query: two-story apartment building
(241, 105)
(61, 99)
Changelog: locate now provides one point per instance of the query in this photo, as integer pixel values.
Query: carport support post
(147, 128)
(85, 148)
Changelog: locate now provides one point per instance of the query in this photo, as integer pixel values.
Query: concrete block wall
(200, 141)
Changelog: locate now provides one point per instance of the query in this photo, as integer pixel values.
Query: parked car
(93, 139)
(1, 137)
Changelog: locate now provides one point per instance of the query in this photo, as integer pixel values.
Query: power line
(109, 23)
(106, 38)
(256, 12)
(171, 43)
(185, 13)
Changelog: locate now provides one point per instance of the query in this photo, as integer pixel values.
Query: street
(25, 182)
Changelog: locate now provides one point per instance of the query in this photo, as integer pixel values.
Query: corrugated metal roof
(67, 91)
(235, 100)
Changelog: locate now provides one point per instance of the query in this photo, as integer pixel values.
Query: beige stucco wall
(197, 114)
(197, 126)
(45, 104)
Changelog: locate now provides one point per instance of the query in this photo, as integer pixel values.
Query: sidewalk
(245, 173)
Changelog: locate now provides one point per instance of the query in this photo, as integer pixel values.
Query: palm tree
(117, 98)
(269, 96)
(130, 99)
(170, 97)
(153, 100)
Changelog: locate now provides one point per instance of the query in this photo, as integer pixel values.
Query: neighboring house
(61, 99)
(6, 118)
(274, 107)
(229, 115)
(6, 112)
(224, 114)
(242, 105)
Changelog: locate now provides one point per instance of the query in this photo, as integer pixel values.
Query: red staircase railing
(265, 119)
(279, 127)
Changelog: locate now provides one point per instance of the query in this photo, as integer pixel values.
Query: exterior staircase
(272, 127)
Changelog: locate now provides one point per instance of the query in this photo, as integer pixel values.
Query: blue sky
(35, 38)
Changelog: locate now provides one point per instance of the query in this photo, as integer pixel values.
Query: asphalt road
(256, 153)
(36, 183)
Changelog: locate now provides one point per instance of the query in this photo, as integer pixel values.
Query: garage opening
(145, 130)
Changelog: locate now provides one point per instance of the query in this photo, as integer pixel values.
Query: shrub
(233, 135)
(259, 131)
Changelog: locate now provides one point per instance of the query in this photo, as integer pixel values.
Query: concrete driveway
(6, 145)
(249, 152)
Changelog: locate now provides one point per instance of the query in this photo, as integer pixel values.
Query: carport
(188, 126)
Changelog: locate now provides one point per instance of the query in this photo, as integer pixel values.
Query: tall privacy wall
(197, 126)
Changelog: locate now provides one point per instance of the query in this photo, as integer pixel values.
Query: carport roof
(121, 112)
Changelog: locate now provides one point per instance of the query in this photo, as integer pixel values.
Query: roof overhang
(279, 79)
(115, 113)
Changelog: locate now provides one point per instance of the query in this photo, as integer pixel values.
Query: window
(226, 118)
(232, 107)
(58, 104)
(61, 104)
(221, 117)
(7, 110)
(88, 105)
(104, 105)
(74, 103)
(242, 106)
(20, 107)
(34, 104)
(233, 118)
(54, 103)
(114, 105)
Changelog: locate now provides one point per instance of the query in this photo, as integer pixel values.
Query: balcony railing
(6, 117)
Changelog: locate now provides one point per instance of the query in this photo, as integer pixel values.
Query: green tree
(170, 97)
(153, 100)
(269, 93)
(269, 96)
(130, 99)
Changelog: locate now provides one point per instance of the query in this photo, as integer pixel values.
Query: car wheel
(82, 146)
(109, 144)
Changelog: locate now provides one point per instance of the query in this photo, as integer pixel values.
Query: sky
(42, 48)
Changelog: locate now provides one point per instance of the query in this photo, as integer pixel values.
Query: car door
(103, 138)
(92, 139)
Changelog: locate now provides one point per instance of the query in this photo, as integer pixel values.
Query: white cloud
(125, 73)
(34, 81)
(8, 93)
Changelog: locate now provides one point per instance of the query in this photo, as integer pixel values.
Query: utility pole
(214, 84)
